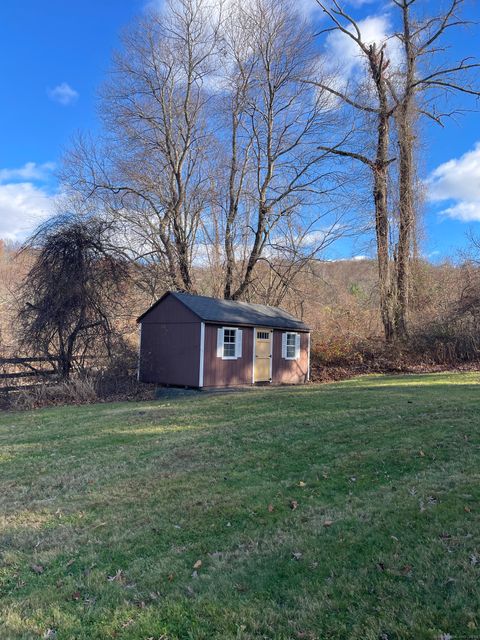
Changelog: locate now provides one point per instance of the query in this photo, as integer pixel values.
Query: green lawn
(105, 510)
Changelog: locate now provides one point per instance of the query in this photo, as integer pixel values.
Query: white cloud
(23, 206)
(458, 182)
(25, 199)
(64, 94)
(29, 171)
(344, 54)
(309, 8)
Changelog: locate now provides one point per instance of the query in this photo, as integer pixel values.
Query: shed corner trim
(202, 354)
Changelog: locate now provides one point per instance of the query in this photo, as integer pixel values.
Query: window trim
(296, 336)
(234, 357)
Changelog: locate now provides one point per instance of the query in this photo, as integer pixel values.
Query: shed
(196, 341)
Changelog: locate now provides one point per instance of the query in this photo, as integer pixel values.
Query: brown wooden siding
(289, 371)
(170, 311)
(170, 345)
(225, 373)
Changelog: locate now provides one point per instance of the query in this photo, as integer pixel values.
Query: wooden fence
(24, 373)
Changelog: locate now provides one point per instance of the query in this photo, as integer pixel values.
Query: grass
(105, 510)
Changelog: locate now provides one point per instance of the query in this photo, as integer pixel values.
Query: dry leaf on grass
(293, 504)
(119, 576)
(197, 564)
(271, 508)
(37, 568)
(328, 523)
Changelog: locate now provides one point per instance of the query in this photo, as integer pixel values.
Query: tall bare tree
(211, 144)
(412, 88)
(419, 88)
(371, 100)
(151, 172)
(276, 168)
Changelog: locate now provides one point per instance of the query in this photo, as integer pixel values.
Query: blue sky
(55, 54)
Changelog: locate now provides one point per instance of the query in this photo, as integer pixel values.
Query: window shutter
(297, 346)
(220, 342)
(284, 345)
(238, 343)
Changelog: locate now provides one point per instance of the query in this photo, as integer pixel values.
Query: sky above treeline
(56, 54)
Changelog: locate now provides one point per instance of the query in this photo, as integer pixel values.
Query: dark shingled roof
(236, 313)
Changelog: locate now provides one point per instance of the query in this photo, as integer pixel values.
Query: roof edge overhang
(304, 329)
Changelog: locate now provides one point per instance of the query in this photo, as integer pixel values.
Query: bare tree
(69, 295)
(211, 143)
(152, 172)
(419, 88)
(276, 119)
(413, 88)
(373, 105)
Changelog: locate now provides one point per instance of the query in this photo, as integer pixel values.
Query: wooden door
(263, 355)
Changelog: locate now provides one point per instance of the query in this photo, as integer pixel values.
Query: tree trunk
(380, 194)
(404, 118)
(406, 223)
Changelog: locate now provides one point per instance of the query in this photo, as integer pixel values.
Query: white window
(291, 346)
(229, 343)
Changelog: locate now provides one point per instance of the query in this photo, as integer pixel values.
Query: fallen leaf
(37, 568)
(406, 569)
(421, 453)
(296, 555)
(471, 625)
(119, 576)
(50, 633)
(76, 595)
(195, 574)
(467, 509)
(197, 564)
(127, 623)
(69, 563)
(171, 577)
(328, 523)
(271, 508)
(293, 504)
(302, 484)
